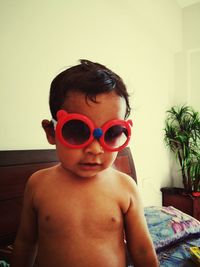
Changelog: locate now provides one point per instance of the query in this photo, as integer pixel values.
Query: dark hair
(89, 78)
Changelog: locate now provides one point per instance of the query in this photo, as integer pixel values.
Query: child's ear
(49, 130)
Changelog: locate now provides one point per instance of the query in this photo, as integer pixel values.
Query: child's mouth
(90, 166)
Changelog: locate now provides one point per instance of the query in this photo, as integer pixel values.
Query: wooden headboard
(16, 166)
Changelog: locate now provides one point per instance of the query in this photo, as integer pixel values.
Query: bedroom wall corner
(187, 67)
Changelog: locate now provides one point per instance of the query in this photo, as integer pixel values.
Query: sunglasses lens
(116, 136)
(75, 132)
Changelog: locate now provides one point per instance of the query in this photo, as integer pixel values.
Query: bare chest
(65, 212)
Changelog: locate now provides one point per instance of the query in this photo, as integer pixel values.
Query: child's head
(88, 103)
(89, 78)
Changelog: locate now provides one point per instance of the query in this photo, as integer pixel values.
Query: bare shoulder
(126, 181)
(127, 189)
(39, 180)
(39, 176)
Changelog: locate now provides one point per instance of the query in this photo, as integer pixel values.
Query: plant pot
(178, 198)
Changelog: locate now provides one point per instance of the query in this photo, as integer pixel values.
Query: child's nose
(94, 148)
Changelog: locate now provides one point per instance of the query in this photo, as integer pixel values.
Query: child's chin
(88, 174)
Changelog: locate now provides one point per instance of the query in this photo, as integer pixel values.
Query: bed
(172, 231)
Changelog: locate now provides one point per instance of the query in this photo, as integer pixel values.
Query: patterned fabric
(179, 255)
(168, 226)
(173, 233)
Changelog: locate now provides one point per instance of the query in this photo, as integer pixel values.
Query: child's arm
(139, 241)
(25, 246)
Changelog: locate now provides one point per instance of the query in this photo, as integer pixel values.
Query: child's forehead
(76, 98)
(109, 104)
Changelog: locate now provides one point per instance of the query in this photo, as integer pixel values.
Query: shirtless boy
(75, 214)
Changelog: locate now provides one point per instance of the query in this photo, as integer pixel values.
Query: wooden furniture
(15, 169)
(177, 198)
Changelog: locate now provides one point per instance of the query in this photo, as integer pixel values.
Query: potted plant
(182, 136)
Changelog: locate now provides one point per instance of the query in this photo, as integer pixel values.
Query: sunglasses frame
(63, 117)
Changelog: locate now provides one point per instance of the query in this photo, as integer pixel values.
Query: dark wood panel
(22, 157)
(124, 163)
(13, 178)
(10, 218)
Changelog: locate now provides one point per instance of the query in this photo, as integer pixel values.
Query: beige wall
(137, 39)
(188, 59)
(187, 66)
(191, 41)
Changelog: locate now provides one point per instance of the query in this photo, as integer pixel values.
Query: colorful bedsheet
(173, 233)
(178, 255)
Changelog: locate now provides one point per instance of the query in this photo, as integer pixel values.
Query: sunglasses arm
(54, 122)
(130, 122)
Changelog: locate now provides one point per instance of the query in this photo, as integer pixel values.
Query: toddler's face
(90, 160)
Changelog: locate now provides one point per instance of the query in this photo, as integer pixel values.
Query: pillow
(168, 225)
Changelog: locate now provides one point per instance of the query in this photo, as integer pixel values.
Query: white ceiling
(185, 3)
